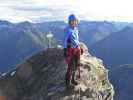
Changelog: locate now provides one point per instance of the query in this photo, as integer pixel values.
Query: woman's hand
(81, 50)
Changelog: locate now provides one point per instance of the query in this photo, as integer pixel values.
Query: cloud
(46, 10)
(31, 8)
(33, 12)
(21, 10)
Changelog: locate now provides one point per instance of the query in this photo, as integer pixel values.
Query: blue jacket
(73, 35)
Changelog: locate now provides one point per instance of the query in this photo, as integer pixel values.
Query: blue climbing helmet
(72, 17)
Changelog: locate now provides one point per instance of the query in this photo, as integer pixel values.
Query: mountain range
(122, 80)
(116, 49)
(20, 40)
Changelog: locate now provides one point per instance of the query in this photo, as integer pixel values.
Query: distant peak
(4, 22)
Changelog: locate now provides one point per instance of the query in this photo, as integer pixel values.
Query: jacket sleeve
(67, 35)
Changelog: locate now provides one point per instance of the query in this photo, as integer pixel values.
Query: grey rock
(42, 77)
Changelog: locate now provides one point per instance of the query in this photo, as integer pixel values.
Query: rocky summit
(42, 77)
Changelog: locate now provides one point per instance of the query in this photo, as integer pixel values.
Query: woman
(72, 50)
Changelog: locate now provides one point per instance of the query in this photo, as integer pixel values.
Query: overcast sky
(50, 10)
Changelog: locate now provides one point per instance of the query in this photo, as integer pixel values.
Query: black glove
(69, 43)
(65, 52)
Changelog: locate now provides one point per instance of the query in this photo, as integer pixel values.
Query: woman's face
(73, 23)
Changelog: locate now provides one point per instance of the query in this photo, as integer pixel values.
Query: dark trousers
(73, 61)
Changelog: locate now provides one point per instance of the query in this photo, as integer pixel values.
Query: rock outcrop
(41, 77)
